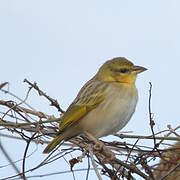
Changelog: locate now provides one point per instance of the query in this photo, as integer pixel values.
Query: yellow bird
(104, 105)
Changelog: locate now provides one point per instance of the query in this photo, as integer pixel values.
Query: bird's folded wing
(79, 109)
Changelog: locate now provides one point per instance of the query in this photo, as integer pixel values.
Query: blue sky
(61, 44)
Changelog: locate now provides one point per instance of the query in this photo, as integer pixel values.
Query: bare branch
(116, 159)
(41, 93)
(9, 159)
(93, 163)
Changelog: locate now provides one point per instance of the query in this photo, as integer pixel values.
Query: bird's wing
(79, 109)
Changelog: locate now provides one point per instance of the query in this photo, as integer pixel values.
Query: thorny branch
(41, 93)
(116, 159)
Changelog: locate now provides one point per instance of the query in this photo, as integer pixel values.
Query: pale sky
(61, 45)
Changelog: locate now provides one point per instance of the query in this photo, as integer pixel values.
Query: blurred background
(61, 45)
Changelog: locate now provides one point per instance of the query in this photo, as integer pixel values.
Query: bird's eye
(124, 70)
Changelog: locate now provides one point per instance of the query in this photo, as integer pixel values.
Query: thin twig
(25, 153)
(152, 123)
(16, 97)
(41, 93)
(93, 163)
(88, 168)
(12, 105)
(9, 159)
(126, 136)
(133, 169)
(3, 85)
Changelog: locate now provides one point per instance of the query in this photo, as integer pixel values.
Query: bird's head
(119, 70)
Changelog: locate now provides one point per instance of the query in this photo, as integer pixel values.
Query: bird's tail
(53, 143)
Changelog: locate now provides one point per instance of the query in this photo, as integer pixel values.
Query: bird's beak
(138, 69)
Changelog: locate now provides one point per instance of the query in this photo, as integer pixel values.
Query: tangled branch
(116, 159)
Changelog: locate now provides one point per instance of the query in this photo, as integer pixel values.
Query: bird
(104, 105)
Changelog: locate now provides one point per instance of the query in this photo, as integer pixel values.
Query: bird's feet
(100, 147)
